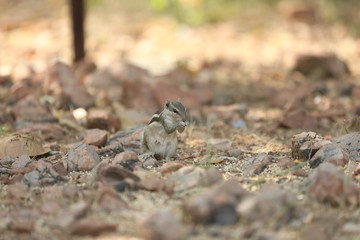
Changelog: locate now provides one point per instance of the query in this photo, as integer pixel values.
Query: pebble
(235, 152)
(128, 160)
(109, 201)
(103, 119)
(308, 138)
(66, 218)
(220, 144)
(351, 143)
(331, 153)
(17, 191)
(112, 175)
(239, 124)
(151, 181)
(91, 227)
(29, 109)
(328, 184)
(270, 205)
(63, 84)
(83, 157)
(170, 167)
(43, 174)
(189, 177)
(299, 119)
(21, 162)
(216, 205)
(255, 165)
(162, 225)
(96, 137)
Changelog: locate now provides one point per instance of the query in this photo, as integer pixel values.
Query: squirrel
(159, 139)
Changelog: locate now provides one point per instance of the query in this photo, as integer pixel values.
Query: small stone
(235, 152)
(297, 141)
(317, 231)
(60, 169)
(167, 91)
(285, 163)
(103, 119)
(255, 165)
(300, 172)
(331, 153)
(207, 159)
(30, 109)
(50, 206)
(351, 143)
(96, 137)
(66, 218)
(21, 220)
(104, 83)
(271, 205)
(138, 96)
(81, 158)
(23, 226)
(351, 228)
(152, 182)
(221, 144)
(322, 66)
(21, 161)
(42, 174)
(109, 201)
(127, 159)
(129, 139)
(112, 175)
(91, 227)
(216, 205)
(299, 119)
(189, 177)
(356, 172)
(71, 191)
(327, 184)
(238, 124)
(17, 191)
(310, 148)
(162, 225)
(62, 83)
(170, 167)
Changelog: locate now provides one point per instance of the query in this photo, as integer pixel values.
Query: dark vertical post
(77, 15)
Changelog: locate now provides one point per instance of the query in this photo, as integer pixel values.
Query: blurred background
(156, 34)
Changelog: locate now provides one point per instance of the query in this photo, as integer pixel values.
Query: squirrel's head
(176, 108)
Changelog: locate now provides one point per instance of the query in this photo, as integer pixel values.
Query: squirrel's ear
(179, 100)
(167, 104)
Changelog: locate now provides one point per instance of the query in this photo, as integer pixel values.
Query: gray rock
(327, 184)
(189, 177)
(271, 205)
(351, 143)
(81, 158)
(162, 225)
(305, 145)
(43, 174)
(256, 165)
(331, 153)
(216, 205)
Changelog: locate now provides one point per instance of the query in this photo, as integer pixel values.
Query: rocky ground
(272, 151)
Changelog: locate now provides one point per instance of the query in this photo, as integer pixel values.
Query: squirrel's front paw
(145, 156)
(184, 124)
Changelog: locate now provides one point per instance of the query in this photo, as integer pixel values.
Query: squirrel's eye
(176, 111)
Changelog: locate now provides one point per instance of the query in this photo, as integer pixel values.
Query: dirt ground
(247, 91)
